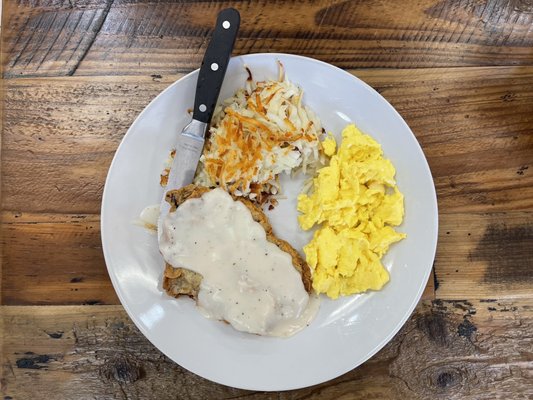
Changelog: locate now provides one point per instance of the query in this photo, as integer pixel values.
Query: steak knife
(190, 142)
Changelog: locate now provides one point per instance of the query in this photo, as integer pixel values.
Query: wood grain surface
(464, 350)
(75, 74)
(94, 37)
(484, 256)
(60, 134)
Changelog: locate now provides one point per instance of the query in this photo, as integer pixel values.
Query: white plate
(346, 332)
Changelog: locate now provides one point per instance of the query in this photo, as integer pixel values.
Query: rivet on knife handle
(215, 63)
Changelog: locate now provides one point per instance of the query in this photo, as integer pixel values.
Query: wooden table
(76, 74)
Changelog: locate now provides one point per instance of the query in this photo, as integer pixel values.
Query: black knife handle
(215, 63)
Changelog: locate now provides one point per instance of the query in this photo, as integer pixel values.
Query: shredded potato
(259, 133)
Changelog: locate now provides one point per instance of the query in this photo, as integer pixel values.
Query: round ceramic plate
(346, 332)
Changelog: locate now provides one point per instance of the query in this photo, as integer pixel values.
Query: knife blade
(190, 142)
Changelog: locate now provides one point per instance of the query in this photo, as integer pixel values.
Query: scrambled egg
(357, 202)
(329, 145)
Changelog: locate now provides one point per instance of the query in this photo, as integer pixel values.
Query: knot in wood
(33, 361)
(434, 325)
(466, 329)
(446, 379)
(122, 369)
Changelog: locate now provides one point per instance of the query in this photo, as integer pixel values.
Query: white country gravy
(247, 280)
(149, 216)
